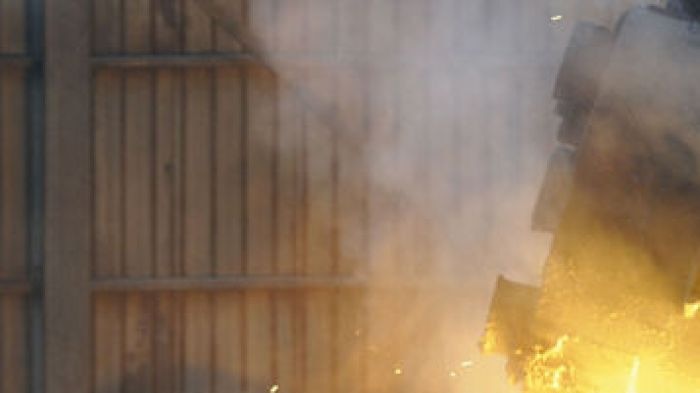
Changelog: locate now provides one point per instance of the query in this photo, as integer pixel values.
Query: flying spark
(467, 363)
(634, 375)
(556, 18)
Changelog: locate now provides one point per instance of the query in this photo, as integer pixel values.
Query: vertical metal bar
(35, 191)
(68, 197)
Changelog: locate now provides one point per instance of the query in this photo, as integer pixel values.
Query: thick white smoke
(446, 105)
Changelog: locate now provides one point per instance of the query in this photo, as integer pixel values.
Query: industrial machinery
(616, 309)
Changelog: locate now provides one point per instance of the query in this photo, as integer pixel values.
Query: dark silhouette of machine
(616, 308)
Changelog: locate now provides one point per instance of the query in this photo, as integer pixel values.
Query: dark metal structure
(616, 308)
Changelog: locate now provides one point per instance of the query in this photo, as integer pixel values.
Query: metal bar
(68, 197)
(225, 283)
(172, 60)
(16, 61)
(35, 192)
(291, 61)
(273, 282)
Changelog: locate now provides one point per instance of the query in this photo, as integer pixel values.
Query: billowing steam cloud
(441, 114)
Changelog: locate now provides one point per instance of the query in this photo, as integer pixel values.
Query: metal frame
(242, 282)
(67, 192)
(58, 259)
(226, 283)
(173, 60)
(35, 191)
(375, 61)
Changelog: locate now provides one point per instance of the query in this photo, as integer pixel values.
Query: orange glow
(549, 370)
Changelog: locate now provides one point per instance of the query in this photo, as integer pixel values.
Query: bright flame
(488, 340)
(556, 18)
(398, 371)
(559, 346)
(556, 379)
(691, 309)
(548, 370)
(275, 389)
(634, 375)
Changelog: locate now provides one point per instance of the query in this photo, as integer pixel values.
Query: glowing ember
(691, 309)
(489, 341)
(622, 276)
(549, 371)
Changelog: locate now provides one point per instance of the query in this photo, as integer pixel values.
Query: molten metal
(616, 311)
